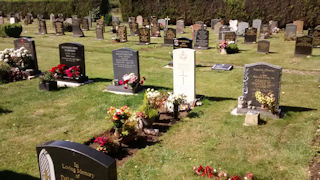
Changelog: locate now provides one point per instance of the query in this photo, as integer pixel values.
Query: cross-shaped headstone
(167, 19)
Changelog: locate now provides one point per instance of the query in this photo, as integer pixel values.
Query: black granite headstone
(144, 35)
(201, 39)
(76, 27)
(30, 46)
(182, 42)
(250, 35)
(263, 46)
(67, 160)
(169, 36)
(303, 46)
(72, 54)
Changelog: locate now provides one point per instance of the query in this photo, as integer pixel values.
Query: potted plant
(268, 101)
(48, 82)
(176, 100)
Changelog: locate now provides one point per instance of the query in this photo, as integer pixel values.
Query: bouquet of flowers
(58, 71)
(176, 99)
(267, 101)
(156, 98)
(131, 81)
(73, 72)
(223, 45)
(214, 174)
(118, 116)
(106, 145)
(19, 58)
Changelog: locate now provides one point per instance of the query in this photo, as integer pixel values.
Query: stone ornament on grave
(72, 54)
(70, 160)
(182, 42)
(299, 24)
(194, 28)
(256, 23)
(265, 31)
(59, 27)
(262, 77)
(242, 28)
(144, 35)
(77, 32)
(125, 61)
(169, 36)
(290, 33)
(263, 46)
(184, 81)
(139, 20)
(316, 36)
(180, 26)
(99, 32)
(85, 24)
(222, 29)
(122, 33)
(30, 46)
(233, 25)
(42, 26)
(303, 46)
(201, 39)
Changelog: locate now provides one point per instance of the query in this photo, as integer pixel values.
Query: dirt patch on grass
(314, 167)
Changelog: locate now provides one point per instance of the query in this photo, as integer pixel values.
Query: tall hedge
(46, 7)
(284, 11)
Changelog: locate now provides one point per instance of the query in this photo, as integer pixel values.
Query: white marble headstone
(12, 20)
(233, 25)
(184, 81)
(256, 23)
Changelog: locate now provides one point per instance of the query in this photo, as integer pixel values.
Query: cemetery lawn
(210, 135)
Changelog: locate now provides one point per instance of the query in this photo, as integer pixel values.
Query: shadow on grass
(4, 111)
(8, 175)
(295, 109)
(218, 98)
(156, 87)
(200, 66)
(100, 80)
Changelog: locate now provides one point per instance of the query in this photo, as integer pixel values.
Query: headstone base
(121, 90)
(72, 84)
(243, 111)
(167, 45)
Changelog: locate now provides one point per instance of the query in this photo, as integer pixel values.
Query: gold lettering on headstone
(76, 170)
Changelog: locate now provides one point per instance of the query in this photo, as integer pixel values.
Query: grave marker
(99, 31)
(217, 27)
(316, 36)
(201, 39)
(233, 25)
(144, 35)
(194, 28)
(291, 31)
(180, 26)
(139, 20)
(122, 33)
(214, 22)
(59, 27)
(222, 29)
(30, 46)
(76, 27)
(242, 28)
(303, 46)
(85, 24)
(182, 42)
(265, 31)
(42, 26)
(229, 36)
(169, 36)
(263, 46)
(299, 24)
(256, 23)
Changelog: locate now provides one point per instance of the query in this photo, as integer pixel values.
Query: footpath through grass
(280, 149)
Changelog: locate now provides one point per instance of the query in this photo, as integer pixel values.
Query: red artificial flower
(120, 82)
(141, 82)
(235, 178)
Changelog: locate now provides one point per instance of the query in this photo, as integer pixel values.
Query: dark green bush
(67, 27)
(108, 19)
(104, 7)
(12, 30)
(4, 72)
(232, 49)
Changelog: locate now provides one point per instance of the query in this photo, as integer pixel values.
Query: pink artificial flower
(120, 82)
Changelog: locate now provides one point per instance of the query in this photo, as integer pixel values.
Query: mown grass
(280, 149)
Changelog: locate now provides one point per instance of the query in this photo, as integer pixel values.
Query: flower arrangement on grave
(221, 175)
(222, 47)
(62, 70)
(58, 71)
(48, 82)
(267, 101)
(228, 47)
(106, 145)
(176, 100)
(131, 81)
(73, 72)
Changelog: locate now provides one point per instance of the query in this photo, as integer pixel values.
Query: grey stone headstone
(70, 160)
(273, 24)
(155, 30)
(42, 26)
(99, 31)
(201, 39)
(146, 22)
(139, 20)
(68, 20)
(182, 42)
(217, 27)
(89, 21)
(256, 23)
(169, 36)
(291, 32)
(59, 27)
(263, 46)
(122, 33)
(144, 35)
(262, 77)
(214, 22)
(85, 24)
(180, 26)
(265, 31)
(223, 29)
(229, 36)
(199, 22)
(303, 46)
(250, 35)
(101, 22)
(30, 46)
(77, 32)
(134, 28)
(242, 28)
(52, 17)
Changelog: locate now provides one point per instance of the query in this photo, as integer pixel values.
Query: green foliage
(4, 72)
(12, 30)
(67, 27)
(148, 109)
(232, 49)
(104, 7)
(48, 76)
(108, 19)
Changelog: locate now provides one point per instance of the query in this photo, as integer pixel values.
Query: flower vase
(223, 51)
(117, 133)
(176, 111)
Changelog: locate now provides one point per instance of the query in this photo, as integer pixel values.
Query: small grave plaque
(263, 46)
(201, 39)
(85, 24)
(144, 35)
(69, 160)
(72, 54)
(30, 46)
(122, 33)
(299, 24)
(169, 36)
(180, 26)
(221, 30)
(242, 28)
(224, 67)
(256, 23)
(76, 28)
(291, 31)
(303, 46)
(250, 35)
(59, 27)
(182, 42)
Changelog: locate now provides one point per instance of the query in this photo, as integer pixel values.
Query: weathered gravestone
(69, 160)
(30, 46)
(291, 31)
(316, 36)
(85, 24)
(169, 36)
(42, 26)
(28, 19)
(162, 23)
(299, 24)
(139, 20)
(263, 46)
(146, 22)
(133, 26)
(101, 23)
(242, 28)
(273, 25)
(77, 32)
(217, 27)
(303, 46)
(182, 42)
(194, 28)
(256, 23)
(59, 27)
(201, 39)
(52, 17)
(262, 77)
(223, 29)
(99, 32)
(265, 31)
(201, 23)
(233, 25)
(1, 21)
(125, 61)
(72, 54)
(214, 22)
(184, 81)
(122, 33)
(89, 20)
(155, 30)
(115, 24)
(180, 26)
(229, 36)
(153, 21)
(17, 17)
(144, 35)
